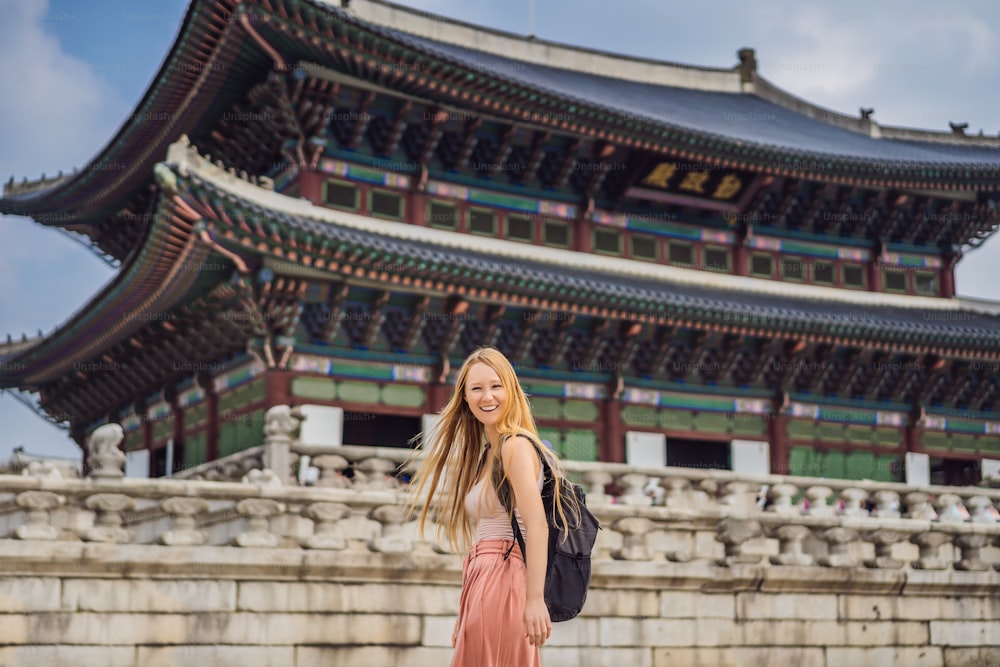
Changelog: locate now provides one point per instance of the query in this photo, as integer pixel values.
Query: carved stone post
(108, 524)
(886, 504)
(281, 425)
(183, 509)
(737, 496)
(853, 499)
(331, 471)
(635, 495)
(634, 530)
(817, 497)
(838, 540)
(734, 533)
(596, 481)
(677, 491)
(37, 505)
(918, 506)
(259, 511)
(979, 510)
(376, 474)
(327, 533)
(971, 544)
(883, 541)
(105, 458)
(393, 539)
(930, 548)
(790, 537)
(781, 496)
(947, 505)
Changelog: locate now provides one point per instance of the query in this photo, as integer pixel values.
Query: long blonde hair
(457, 443)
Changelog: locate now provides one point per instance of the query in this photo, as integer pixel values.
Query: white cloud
(57, 113)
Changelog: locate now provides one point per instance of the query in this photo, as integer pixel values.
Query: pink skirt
(491, 611)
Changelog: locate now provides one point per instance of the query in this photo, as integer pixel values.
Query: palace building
(331, 205)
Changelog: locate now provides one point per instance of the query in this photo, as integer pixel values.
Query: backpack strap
(518, 537)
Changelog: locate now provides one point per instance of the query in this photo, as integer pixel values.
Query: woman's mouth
(490, 408)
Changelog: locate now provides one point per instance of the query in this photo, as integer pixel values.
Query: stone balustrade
(692, 567)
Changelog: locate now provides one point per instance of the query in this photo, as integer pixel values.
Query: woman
(484, 454)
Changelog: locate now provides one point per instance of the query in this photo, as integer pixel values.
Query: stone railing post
(635, 494)
(596, 481)
(184, 510)
(930, 547)
(37, 505)
(327, 533)
(377, 474)
(918, 506)
(817, 497)
(780, 497)
(392, 538)
(733, 533)
(790, 538)
(108, 524)
(883, 541)
(331, 471)
(259, 511)
(853, 499)
(838, 540)
(886, 505)
(971, 544)
(736, 495)
(947, 505)
(979, 510)
(634, 530)
(105, 458)
(281, 425)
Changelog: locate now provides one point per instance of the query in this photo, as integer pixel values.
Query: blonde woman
(484, 454)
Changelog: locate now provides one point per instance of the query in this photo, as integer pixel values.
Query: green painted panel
(859, 434)
(322, 389)
(801, 429)
(808, 248)
(228, 438)
(722, 404)
(163, 429)
(545, 408)
(833, 464)
(194, 450)
(801, 462)
(250, 431)
(552, 435)
(888, 436)
(676, 419)
(966, 426)
(989, 444)
(965, 443)
(487, 197)
(747, 426)
(888, 469)
(860, 465)
(358, 392)
(639, 415)
(579, 445)
(711, 421)
(827, 431)
(256, 390)
(403, 395)
(380, 372)
(196, 415)
(580, 410)
(934, 440)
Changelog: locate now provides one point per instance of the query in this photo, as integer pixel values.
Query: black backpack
(567, 575)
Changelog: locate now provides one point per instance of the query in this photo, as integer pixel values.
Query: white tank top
(483, 507)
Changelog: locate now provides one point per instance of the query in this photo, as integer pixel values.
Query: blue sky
(71, 73)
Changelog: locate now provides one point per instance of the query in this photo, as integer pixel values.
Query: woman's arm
(520, 460)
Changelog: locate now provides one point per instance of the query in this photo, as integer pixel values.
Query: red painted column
(212, 432)
(777, 436)
(611, 448)
(278, 386)
(311, 186)
(874, 270)
(740, 265)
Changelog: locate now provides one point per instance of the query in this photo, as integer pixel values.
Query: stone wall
(697, 568)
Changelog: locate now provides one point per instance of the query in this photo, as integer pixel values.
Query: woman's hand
(454, 635)
(537, 626)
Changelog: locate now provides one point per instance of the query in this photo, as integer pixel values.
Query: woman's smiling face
(484, 393)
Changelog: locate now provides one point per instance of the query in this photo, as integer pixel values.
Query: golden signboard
(696, 179)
